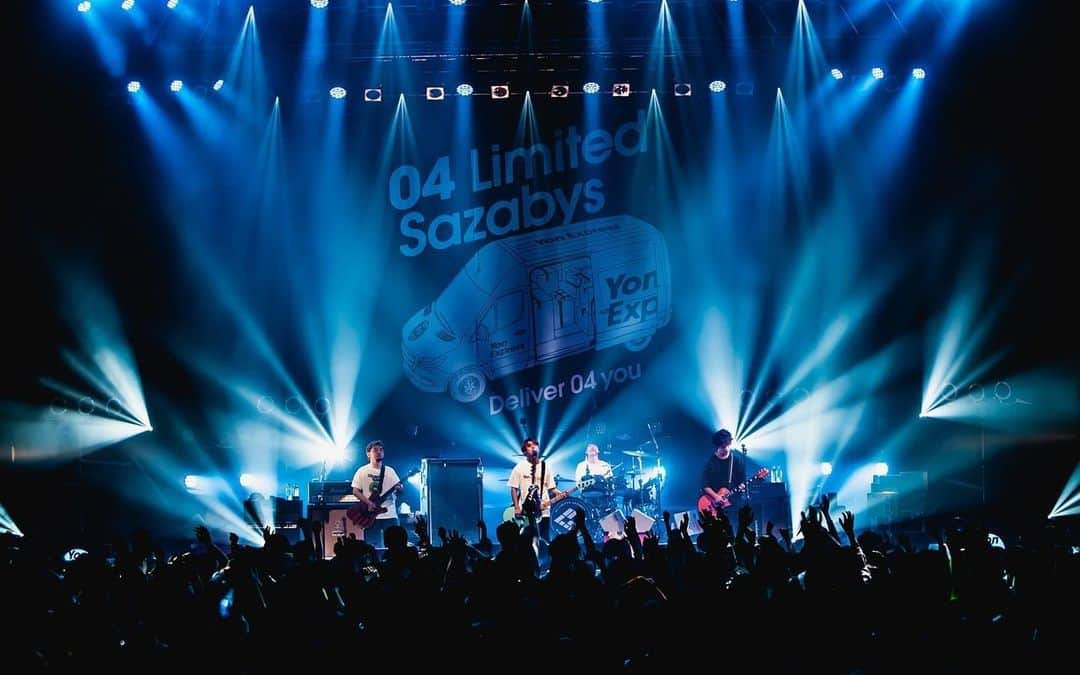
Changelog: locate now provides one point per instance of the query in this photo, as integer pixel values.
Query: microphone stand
(746, 470)
(658, 477)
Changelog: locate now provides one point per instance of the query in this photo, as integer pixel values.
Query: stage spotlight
(918, 73)
(265, 404)
(134, 86)
(826, 468)
(218, 85)
(292, 405)
(683, 89)
(114, 408)
(717, 86)
(246, 479)
(1002, 391)
(500, 91)
(322, 405)
(620, 89)
(192, 482)
(464, 89)
(976, 392)
(457, 3)
(594, 1)
(320, 4)
(837, 74)
(878, 73)
(881, 469)
(372, 95)
(176, 85)
(171, 4)
(435, 93)
(560, 91)
(591, 88)
(337, 92)
(83, 6)
(126, 5)
(86, 405)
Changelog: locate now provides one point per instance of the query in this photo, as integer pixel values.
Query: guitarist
(725, 469)
(368, 482)
(532, 483)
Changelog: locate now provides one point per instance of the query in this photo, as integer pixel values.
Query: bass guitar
(363, 516)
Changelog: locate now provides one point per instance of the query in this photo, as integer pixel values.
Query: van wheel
(638, 344)
(467, 385)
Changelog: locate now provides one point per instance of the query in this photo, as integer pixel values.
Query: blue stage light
(337, 92)
(878, 73)
(171, 4)
(591, 88)
(176, 85)
(918, 73)
(320, 4)
(717, 86)
(837, 74)
(464, 90)
(83, 6)
(218, 85)
(127, 5)
(134, 86)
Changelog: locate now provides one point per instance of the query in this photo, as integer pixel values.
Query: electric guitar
(363, 516)
(533, 505)
(710, 505)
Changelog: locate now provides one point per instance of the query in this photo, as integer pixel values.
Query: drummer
(593, 467)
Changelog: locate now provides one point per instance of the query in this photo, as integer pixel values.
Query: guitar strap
(382, 473)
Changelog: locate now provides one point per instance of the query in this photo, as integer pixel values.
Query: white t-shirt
(366, 480)
(523, 476)
(601, 469)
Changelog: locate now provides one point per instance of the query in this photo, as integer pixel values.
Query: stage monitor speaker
(452, 496)
(335, 524)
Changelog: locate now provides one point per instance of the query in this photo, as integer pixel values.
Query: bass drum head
(563, 513)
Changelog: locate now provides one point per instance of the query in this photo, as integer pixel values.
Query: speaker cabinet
(335, 524)
(452, 496)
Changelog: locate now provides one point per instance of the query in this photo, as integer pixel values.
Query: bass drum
(563, 513)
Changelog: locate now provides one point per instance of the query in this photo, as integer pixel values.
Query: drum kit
(634, 484)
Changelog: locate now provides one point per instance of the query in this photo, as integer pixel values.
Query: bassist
(368, 483)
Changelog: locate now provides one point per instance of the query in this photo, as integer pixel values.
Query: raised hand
(202, 535)
(443, 536)
(769, 528)
(579, 519)
(847, 523)
(825, 503)
(684, 524)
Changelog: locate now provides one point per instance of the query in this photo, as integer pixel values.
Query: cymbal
(637, 453)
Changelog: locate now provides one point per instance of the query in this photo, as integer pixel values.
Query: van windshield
(471, 289)
(457, 305)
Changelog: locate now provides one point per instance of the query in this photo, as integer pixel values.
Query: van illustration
(537, 297)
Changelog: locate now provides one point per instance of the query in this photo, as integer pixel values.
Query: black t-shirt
(720, 473)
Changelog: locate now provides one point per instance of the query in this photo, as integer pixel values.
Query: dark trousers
(374, 534)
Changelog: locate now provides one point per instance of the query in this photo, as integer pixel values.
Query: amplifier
(329, 491)
(452, 495)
